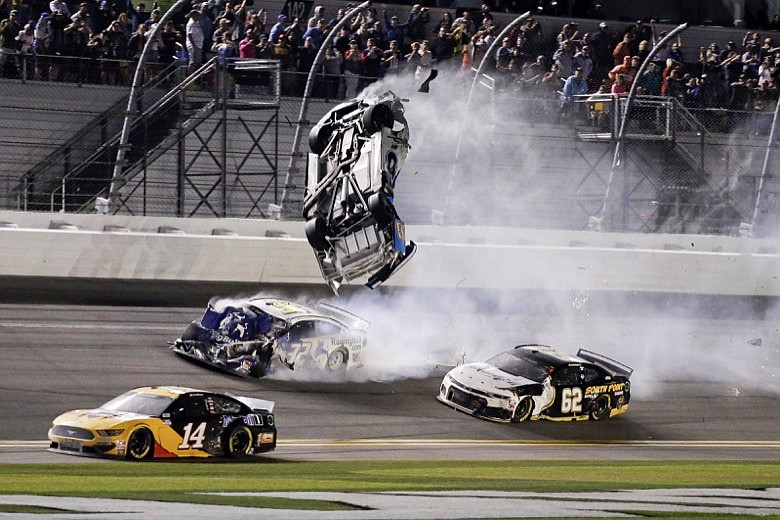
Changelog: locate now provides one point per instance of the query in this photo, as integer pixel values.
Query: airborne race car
(357, 152)
(539, 382)
(244, 338)
(167, 422)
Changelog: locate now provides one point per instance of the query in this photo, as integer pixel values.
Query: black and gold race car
(168, 422)
(539, 382)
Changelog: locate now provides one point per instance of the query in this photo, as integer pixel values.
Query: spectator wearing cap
(564, 58)
(60, 5)
(103, 16)
(278, 29)
(641, 31)
(353, 69)
(294, 34)
(372, 63)
(9, 29)
(394, 29)
(195, 38)
(584, 60)
(392, 58)
(336, 19)
(42, 46)
(602, 44)
(83, 14)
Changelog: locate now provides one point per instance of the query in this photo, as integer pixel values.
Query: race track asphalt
(688, 402)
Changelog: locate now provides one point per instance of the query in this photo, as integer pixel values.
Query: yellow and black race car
(168, 422)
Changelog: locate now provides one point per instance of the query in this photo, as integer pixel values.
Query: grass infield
(180, 481)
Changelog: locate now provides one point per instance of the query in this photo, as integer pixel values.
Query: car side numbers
(193, 438)
(299, 350)
(571, 400)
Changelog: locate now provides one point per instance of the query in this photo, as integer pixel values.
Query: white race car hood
(487, 378)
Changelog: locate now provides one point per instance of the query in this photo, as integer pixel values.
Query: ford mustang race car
(357, 151)
(244, 338)
(166, 422)
(539, 382)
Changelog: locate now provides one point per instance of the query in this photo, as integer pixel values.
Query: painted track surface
(56, 358)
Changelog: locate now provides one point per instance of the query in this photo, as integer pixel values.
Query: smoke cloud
(419, 333)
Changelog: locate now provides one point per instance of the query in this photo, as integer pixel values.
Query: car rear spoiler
(610, 364)
(256, 404)
(354, 321)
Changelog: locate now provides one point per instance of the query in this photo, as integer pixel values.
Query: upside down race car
(167, 422)
(357, 151)
(245, 337)
(539, 382)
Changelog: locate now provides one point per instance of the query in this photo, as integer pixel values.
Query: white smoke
(414, 331)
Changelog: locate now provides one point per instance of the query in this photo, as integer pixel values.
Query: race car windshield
(517, 366)
(146, 404)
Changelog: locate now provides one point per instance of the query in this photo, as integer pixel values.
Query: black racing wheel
(377, 117)
(523, 409)
(316, 231)
(600, 408)
(238, 441)
(318, 138)
(140, 444)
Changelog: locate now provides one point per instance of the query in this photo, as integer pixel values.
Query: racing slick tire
(140, 444)
(238, 441)
(377, 117)
(523, 409)
(381, 209)
(337, 360)
(600, 409)
(316, 230)
(318, 138)
(189, 332)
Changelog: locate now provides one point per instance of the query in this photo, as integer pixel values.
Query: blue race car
(244, 338)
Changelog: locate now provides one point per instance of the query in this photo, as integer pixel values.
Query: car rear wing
(256, 404)
(353, 320)
(610, 364)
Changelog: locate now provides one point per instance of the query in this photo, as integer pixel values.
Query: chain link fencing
(219, 144)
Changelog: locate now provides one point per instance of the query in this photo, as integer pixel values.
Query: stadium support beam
(617, 159)
(130, 113)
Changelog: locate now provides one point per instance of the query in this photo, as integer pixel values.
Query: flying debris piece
(426, 85)
(357, 152)
(755, 342)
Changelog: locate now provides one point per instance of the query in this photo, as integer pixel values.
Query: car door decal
(571, 400)
(193, 438)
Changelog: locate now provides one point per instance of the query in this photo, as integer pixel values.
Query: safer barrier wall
(275, 252)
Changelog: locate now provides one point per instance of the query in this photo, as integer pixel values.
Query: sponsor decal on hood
(482, 376)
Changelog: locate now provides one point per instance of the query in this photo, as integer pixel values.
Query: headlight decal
(110, 433)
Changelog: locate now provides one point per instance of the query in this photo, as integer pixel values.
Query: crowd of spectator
(375, 43)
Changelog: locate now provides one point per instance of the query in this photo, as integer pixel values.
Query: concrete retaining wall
(276, 252)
